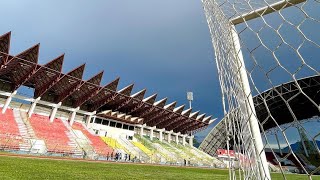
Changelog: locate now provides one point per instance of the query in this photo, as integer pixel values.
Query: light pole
(190, 98)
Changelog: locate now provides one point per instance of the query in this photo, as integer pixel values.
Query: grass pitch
(33, 168)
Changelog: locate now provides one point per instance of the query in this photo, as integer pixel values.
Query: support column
(184, 139)
(151, 132)
(161, 134)
(250, 109)
(191, 140)
(33, 106)
(141, 130)
(6, 104)
(73, 115)
(169, 136)
(54, 111)
(177, 138)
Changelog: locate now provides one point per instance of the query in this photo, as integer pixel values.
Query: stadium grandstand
(69, 116)
(220, 138)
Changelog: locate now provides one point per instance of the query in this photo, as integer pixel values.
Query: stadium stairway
(25, 120)
(24, 131)
(54, 134)
(156, 155)
(84, 143)
(9, 131)
(97, 143)
(135, 151)
(36, 145)
(142, 148)
(77, 149)
(178, 152)
(114, 144)
(169, 156)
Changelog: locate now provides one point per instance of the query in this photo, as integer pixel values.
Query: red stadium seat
(97, 143)
(54, 134)
(9, 132)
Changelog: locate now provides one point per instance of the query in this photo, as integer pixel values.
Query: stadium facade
(61, 102)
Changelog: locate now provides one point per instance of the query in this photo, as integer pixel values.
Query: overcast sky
(163, 46)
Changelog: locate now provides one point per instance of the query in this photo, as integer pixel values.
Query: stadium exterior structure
(87, 101)
(275, 104)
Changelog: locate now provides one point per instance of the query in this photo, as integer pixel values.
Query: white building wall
(111, 131)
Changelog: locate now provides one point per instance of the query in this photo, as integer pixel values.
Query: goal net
(267, 54)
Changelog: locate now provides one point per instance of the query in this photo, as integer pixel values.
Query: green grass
(32, 168)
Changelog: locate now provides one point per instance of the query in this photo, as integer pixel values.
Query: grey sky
(163, 46)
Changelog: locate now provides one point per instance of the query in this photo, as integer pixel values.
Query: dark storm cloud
(163, 46)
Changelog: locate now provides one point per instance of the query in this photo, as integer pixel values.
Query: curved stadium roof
(303, 97)
(303, 102)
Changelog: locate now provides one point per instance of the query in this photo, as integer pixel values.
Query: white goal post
(259, 46)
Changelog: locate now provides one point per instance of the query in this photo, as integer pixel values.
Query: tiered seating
(178, 153)
(169, 156)
(161, 148)
(202, 155)
(143, 148)
(54, 134)
(9, 132)
(99, 146)
(133, 150)
(114, 144)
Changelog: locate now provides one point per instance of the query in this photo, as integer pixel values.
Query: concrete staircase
(26, 132)
(76, 148)
(135, 151)
(85, 144)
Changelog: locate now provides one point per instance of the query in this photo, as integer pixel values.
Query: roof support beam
(33, 106)
(163, 122)
(171, 125)
(4, 48)
(98, 98)
(85, 98)
(104, 101)
(93, 84)
(7, 103)
(187, 126)
(138, 107)
(147, 112)
(69, 92)
(73, 115)
(42, 90)
(124, 104)
(24, 79)
(54, 112)
(184, 124)
(55, 75)
(73, 75)
(156, 117)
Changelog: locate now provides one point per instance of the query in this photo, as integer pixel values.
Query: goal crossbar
(265, 10)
